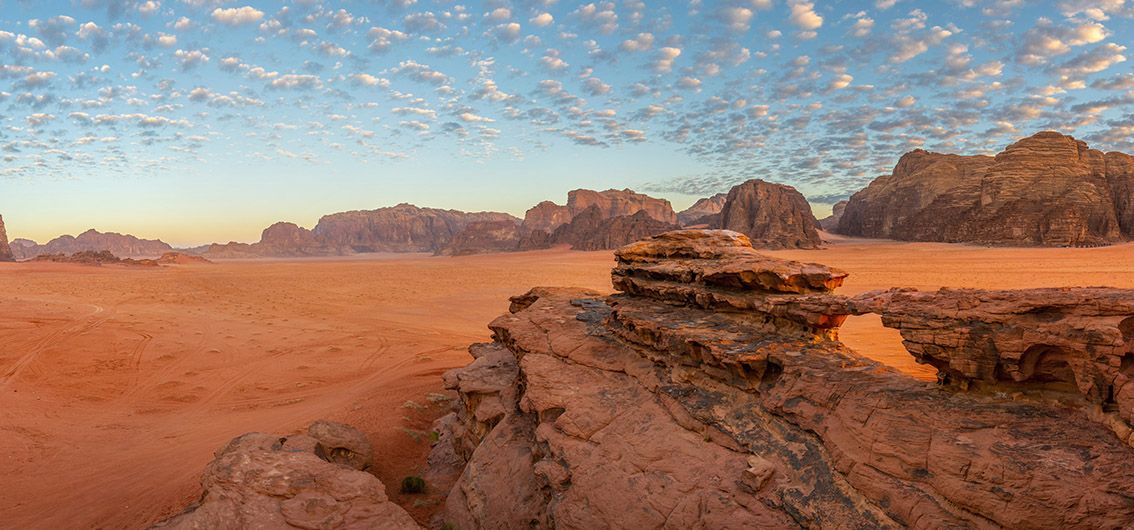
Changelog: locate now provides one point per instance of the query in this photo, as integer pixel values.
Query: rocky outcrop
(401, 228)
(831, 222)
(5, 250)
(1048, 189)
(592, 230)
(99, 258)
(703, 212)
(547, 216)
(121, 245)
(179, 258)
(712, 392)
(773, 216)
(485, 236)
(306, 481)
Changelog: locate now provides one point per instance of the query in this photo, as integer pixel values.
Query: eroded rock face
(773, 216)
(273, 481)
(706, 395)
(5, 250)
(703, 212)
(401, 228)
(124, 246)
(1048, 189)
(831, 222)
(592, 230)
(485, 236)
(547, 216)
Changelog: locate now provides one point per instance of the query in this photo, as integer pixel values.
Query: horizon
(199, 121)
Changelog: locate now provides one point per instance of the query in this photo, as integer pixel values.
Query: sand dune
(116, 385)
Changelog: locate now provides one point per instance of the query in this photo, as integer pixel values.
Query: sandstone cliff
(592, 230)
(401, 228)
(712, 392)
(548, 216)
(703, 212)
(121, 245)
(831, 222)
(485, 236)
(1048, 189)
(773, 216)
(5, 250)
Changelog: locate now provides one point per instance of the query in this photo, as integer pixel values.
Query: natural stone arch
(1049, 365)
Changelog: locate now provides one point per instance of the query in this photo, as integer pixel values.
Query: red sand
(117, 384)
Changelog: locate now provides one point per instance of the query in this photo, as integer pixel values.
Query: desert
(120, 384)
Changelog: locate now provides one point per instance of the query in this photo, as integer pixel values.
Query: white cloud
(665, 59)
(235, 16)
(640, 43)
(470, 117)
(542, 20)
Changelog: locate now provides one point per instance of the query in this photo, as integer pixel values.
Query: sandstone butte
(1048, 189)
(773, 216)
(703, 212)
(712, 392)
(121, 245)
(5, 249)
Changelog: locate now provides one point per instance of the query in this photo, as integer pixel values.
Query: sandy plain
(117, 384)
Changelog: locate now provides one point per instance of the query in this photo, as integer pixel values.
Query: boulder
(773, 216)
(286, 481)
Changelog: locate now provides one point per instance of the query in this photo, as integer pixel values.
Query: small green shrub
(413, 485)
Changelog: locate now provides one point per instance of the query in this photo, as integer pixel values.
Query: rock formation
(5, 250)
(121, 245)
(485, 236)
(703, 212)
(773, 216)
(178, 258)
(96, 258)
(592, 230)
(401, 228)
(712, 392)
(308, 481)
(548, 216)
(831, 222)
(1048, 189)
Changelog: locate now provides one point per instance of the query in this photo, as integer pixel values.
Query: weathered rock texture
(485, 236)
(713, 393)
(831, 222)
(307, 481)
(5, 250)
(592, 230)
(124, 246)
(773, 216)
(548, 216)
(1048, 189)
(703, 212)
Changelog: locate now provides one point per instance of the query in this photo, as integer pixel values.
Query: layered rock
(401, 228)
(121, 245)
(5, 250)
(773, 216)
(713, 393)
(703, 212)
(591, 229)
(831, 222)
(1048, 189)
(306, 481)
(547, 216)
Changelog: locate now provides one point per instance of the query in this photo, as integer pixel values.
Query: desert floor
(117, 384)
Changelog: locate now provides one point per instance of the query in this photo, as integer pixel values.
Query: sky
(207, 120)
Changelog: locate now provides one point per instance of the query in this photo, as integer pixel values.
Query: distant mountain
(121, 245)
(831, 222)
(1048, 189)
(703, 212)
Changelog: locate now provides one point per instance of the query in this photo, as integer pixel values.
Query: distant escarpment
(548, 216)
(120, 245)
(831, 222)
(5, 249)
(1048, 189)
(705, 211)
(713, 392)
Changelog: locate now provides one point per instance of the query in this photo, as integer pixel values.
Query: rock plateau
(121, 245)
(1048, 189)
(712, 392)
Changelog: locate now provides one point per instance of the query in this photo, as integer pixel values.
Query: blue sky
(205, 120)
